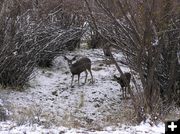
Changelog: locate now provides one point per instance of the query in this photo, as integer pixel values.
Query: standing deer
(107, 53)
(78, 67)
(121, 81)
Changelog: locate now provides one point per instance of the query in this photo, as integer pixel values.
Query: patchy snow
(50, 103)
(10, 128)
(1, 102)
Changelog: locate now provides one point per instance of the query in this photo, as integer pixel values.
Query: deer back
(81, 65)
(121, 79)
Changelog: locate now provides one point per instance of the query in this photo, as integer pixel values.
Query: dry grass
(174, 114)
(124, 114)
(117, 113)
(35, 115)
(31, 115)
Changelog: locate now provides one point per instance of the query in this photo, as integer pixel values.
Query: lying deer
(121, 81)
(78, 67)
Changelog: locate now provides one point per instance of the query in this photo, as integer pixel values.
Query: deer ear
(115, 77)
(74, 58)
(65, 58)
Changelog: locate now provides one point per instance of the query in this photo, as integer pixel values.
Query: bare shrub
(136, 29)
(28, 39)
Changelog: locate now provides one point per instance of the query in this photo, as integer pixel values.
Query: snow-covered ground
(9, 128)
(49, 103)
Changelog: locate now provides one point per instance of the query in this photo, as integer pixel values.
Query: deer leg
(122, 92)
(86, 75)
(107, 61)
(91, 75)
(78, 78)
(125, 92)
(72, 80)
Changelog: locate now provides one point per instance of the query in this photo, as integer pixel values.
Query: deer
(81, 65)
(107, 53)
(123, 82)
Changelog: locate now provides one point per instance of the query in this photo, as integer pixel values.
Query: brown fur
(121, 81)
(79, 66)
